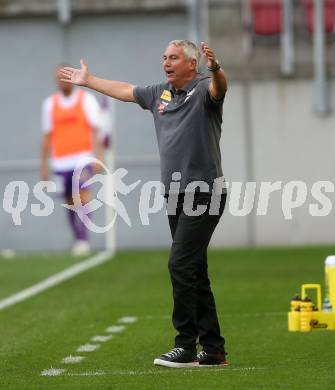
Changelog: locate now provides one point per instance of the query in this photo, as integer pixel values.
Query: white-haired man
(187, 111)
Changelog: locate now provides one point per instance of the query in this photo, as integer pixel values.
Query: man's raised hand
(75, 76)
(209, 55)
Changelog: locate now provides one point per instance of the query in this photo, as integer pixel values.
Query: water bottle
(306, 309)
(330, 279)
(327, 306)
(294, 314)
(295, 303)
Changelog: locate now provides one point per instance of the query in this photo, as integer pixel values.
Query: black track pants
(194, 312)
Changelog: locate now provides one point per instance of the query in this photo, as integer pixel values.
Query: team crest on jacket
(161, 107)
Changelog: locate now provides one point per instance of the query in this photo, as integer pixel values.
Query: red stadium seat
(266, 16)
(329, 15)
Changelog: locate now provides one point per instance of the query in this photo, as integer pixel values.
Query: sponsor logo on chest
(166, 98)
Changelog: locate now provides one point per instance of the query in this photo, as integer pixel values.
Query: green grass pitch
(252, 289)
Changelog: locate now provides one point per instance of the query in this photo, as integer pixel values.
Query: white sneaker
(81, 248)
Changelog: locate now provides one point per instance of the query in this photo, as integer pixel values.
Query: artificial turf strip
(252, 288)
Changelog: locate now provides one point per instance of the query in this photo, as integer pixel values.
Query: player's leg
(82, 247)
(65, 178)
(72, 217)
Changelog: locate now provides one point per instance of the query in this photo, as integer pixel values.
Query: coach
(187, 111)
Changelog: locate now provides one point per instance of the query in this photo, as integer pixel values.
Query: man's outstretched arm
(116, 89)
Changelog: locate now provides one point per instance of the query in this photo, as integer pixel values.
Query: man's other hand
(75, 76)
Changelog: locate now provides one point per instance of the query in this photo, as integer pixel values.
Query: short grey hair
(191, 50)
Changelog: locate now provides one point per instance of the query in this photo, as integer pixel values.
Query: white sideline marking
(58, 278)
(127, 320)
(101, 339)
(53, 372)
(158, 372)
(72, 359)
(247, 315)
(265, 314)
(88, 373)
(88, 347)
(115, 329)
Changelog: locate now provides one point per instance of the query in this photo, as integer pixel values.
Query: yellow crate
(316, 320)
